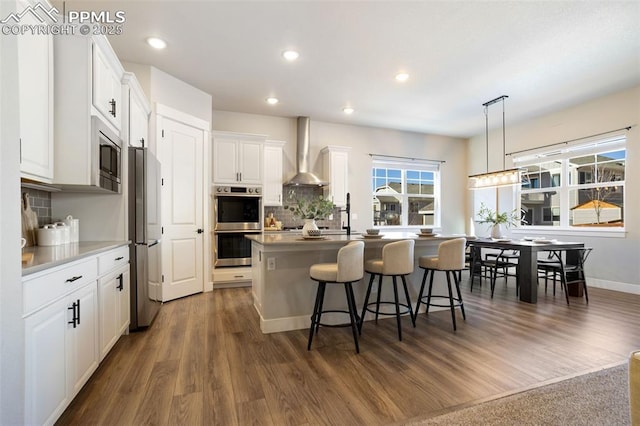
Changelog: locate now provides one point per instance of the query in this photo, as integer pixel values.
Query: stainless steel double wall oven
(237, 212)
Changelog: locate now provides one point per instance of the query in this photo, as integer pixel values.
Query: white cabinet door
(107, 89)
(114, 308)
(225, 155)
(109, 305)
(83, 341)
(35, 85)
(237, 159)
(124, 291)
(138, 124)
(250, 162)
(272, 189)
(45, 364)
(336, 172)
(61, 347)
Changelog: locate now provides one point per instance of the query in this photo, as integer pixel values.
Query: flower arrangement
(314, 208)
(486, 215)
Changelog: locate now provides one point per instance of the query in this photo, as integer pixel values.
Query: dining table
(527, 270)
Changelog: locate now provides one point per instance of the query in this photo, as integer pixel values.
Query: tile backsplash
(40, 202)
(300, 192)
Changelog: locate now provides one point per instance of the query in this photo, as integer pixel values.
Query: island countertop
(268, 239)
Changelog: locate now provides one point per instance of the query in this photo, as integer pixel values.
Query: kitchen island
(283, 293)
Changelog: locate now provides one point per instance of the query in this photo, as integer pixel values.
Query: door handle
(121, 285)
(200, 231)
(112, 102)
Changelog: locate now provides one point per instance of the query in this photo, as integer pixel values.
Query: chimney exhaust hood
(304, 177)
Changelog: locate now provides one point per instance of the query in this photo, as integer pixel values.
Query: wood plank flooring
(204, 361)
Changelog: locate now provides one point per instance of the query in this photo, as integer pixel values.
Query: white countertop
(283, 238)
(45, 257)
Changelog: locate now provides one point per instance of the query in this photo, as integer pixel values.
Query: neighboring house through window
(405, 192)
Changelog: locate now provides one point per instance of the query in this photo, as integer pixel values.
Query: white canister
(49, 235)
(65, 232)
(74, 227)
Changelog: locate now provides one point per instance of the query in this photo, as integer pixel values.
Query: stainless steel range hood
(304, 177)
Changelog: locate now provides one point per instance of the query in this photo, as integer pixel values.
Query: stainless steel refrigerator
(144, 233)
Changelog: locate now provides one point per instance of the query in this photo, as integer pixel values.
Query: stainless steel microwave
(107, 156)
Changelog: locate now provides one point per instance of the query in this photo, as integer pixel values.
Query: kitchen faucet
(348, 211)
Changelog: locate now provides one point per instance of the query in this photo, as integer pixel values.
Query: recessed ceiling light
(156, 43)
(348, 110)
(290, 55)
(402, 76)
(272, 101)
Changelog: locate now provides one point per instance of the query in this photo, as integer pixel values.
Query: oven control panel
(238, 190)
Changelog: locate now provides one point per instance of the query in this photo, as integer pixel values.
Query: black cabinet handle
(75, 318)
(78, 311)
(142, 142)
(119, 258)
(72, 279)
(112, 102)
(200, 231)
(121, 285)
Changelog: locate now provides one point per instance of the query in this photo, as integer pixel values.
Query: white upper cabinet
(272, 188)
(107, 87)
(35, 85)
(335, 161)
(237, 158)
(138, 112)
(79, 61)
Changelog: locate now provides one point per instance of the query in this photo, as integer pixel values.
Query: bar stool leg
(323, 287)
(395, 293)
(459, 296)
(366, 301)
(406, 295)
(314, 319)
(429, 292)
(378, 299)
(352, 313)
(453, 311)
(424, 280)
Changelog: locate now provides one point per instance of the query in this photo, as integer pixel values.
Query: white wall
(364, 141)
(11, 324)
(614, 262)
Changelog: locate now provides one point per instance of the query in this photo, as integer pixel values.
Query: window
(579, 186)
(405, 193)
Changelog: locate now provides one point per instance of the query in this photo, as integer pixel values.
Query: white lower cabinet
(61, 353)
(114, 308)
(73, 315)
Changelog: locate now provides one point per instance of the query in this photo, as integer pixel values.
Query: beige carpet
(597, 398)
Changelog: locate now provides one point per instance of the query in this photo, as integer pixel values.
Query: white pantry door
(180, 149)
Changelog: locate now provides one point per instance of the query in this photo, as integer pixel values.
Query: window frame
(404, 166)
(564, 156)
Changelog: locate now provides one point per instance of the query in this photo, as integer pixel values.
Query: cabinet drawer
(112, 259)
(231, 275)
(45, 288)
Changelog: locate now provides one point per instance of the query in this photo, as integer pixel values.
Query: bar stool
(348, 269)
(397, 261)
(451, 260)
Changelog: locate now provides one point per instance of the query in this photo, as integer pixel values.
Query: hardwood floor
(205, 361)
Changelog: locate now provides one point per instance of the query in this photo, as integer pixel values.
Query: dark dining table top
(525, 244)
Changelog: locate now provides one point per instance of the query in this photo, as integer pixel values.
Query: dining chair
(570, 270)
(498, 263)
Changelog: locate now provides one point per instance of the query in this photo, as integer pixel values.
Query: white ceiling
(545, 55)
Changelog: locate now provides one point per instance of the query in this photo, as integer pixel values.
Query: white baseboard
(613, 285)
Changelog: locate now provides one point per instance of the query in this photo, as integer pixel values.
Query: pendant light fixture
(501, 177)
